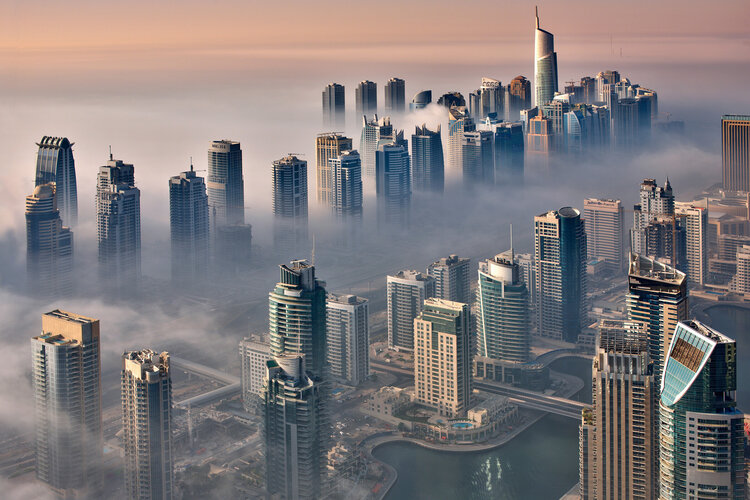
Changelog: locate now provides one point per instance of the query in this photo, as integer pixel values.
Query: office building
(605, 231)
(66, 384)
(297, 315)
(545, 65)
(346, 184)
(147, 425)
(393, 182)
(540, 138)
(113, 173)
(294, 430)
(395, 96)
(621, 448)
(518, 97)
(420, 100)
(694, 219)
(451, 100)
(373, 132)
(348, 335)
(459, 122)
(701, 431)
(452, 277)
(334, 107)
(289, 199)
(366, 98)
(735, 152)
(478, 161)
(657, 296)
(232, 249)
(327, 146)
(741, 280)
(509, 153)
(602, 79)
(226, 186)
(406, 292)
(667, 242)
(188, 227)
(560, 256)
(654, 201)
(427, 164)
(55, 163)
(442, 357)
(488, 100)
(49, 245)
(503, 311)
(254, 354)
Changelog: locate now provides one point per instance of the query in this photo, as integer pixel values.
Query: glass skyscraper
(188, 225)
(334, 107)
(54, 163)
(545, 65)
(428, 166)
(226, 187)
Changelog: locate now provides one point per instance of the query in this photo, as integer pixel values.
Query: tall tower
(66, 383)
(226, 187)
(188, 226)
(297, 316)
(147, 424)
(518, 97)
(254, 354)
(395, 96)
(478, 162)
(406, 292)
(545, 65)
(459, 122)
(442, 357)
(509, 154)
(428, 166)
(504, 321)
(373, 132)
(605, 231)
(654, 201)
(560, 256)
(694, 219)
(113, 173)
(293, 429)
(49, 245)
(54, 163)
(452, 276)
(701, 429)
(393, 181)
(366, 98)
(289, 199)
(346, 184)
(334, 107)
(348, 335)
(327, 146)
(735, 152)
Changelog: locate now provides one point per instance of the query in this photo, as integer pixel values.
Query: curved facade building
(54, 163)
(545, 65)
(421, 100)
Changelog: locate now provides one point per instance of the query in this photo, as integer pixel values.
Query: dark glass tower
(54, 163)
(428, 166)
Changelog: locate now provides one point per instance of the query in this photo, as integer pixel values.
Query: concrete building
(452, 276)
(459, 122)
(442, 357)
(348, 337)
(113, 173)
(297, 316)
(654, 201)
(406, 292)
(478, 161)
(393, 182)
(694, 219)
(373, 132)
(66, 384)
(293, 431)
(735, 152)
(226, 186)
(346, 184)
(188, 227)
(327, 146)
(605, 232)
(395, 96)
(657, 296)
(503, 311)
(55, 163)
(49, 245)
(334, 107)
(620, 446)
(545, 65)
(366, 98)
(702, 452)
(741, 281)
(540, 139)
(289, 199)
(254, 353)
(427, 163)
(147, 425)
(560, 257)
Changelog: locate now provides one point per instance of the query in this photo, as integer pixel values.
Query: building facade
(373, 131)
(654, 201)
(406, 292)
(118, 231)
(327, 146)
(694, 219)
(55, 163)
(188, 227)
(545, 65)
(346, 184)
(452, 276)
(254, 353)
(226, 186)
(605, 230)
(366, 98)
(735, 152)
(428, 166)
(509, 153)
(459, 122)
(393, 182)
(334, 107)
(395, 96)
(289, 202)
(348, 337)
(478, 159)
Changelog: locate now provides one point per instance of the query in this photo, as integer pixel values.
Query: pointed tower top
(512, 257)
(191, 163)
(667, 185)
(110, 152)
(536, 10)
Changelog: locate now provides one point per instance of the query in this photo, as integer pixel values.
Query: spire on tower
(536, 10)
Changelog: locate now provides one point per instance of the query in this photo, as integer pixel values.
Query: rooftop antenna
(191, 163)
(110, 153)
(313, 251)
(512, 257)
(536, 10)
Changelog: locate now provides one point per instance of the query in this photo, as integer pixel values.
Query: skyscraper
(518, 97)
(395, 96)
(605, 231)
(702, 451)
(560, 256)
(54, 163)
(327, 146)
(420, 100)
(741, 280)
(49, 245)
(540, 139)
(293, 429)
(442, 357)
(147, 424)
(428, 167)
(297, 316)
(452, 276)
(366, 98)
(622, 444)
(509, 153)
(348, 337)
(289, 198)
(735, 152)
(406, 292)
(393, 182)
(694, 219)
(254, 354)
(334, 107)
(188, 226)
(478, 162)
(504, 320)
(654, 200)
(113, 173)
(66, 384)
(459, 122)
(346, 184)
(373, 132)
(657, 296)
(226, 187)
(545, 65)
(488, 100)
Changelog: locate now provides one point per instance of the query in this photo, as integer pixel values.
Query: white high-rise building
(741, 281)
(694, 219)
(452, 278)
(226, 186)
(373, 131)
(654, 201)
(605, 231)
(253, 356)
(346, 184)
(348, 337)
(406, 293)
